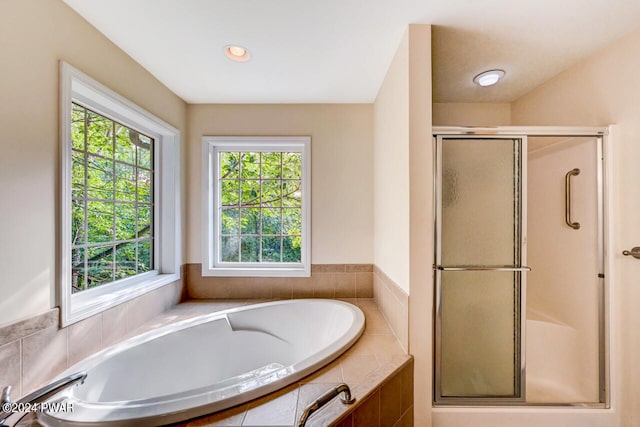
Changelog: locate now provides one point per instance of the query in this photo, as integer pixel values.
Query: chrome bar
(324, 399)
(479, 268)
(567, 198)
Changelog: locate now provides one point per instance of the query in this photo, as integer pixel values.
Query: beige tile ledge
(28, 326)
(376, 356)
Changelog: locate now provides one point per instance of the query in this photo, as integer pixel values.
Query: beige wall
(34, 37)
(471, 114)
(391, 171)
(603, 90)
(403, 201)
(342, 189)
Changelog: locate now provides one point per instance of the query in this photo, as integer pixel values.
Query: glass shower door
(480, 269)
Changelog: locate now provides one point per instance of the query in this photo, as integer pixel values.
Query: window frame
(81, 89)
(211, 146)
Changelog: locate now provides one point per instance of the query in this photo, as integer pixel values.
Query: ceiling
(338, 51)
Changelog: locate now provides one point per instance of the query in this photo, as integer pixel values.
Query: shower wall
(563, 285)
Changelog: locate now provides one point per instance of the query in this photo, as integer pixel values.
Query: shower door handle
(479, 268)
(567, 198)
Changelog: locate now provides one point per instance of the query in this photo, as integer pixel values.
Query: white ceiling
(336, 51)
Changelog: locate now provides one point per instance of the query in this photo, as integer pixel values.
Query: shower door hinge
(601, 275)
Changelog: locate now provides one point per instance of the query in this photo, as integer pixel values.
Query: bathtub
(206, 364)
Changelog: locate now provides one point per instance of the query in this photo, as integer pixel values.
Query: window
(257, 206)
(120, 232)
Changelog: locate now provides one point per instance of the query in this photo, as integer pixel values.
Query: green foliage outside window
(112, 200)
(261, 206)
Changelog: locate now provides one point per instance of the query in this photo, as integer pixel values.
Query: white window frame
(79, 88)
(211, 146)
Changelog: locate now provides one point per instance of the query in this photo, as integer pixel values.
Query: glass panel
(230, 223)
(291, 249)
(250, 249)
(479, 198)
(77, 270)
(77, 222)
(77, 174)
(479, 355)
(145, 213)
(229, 165)
(292, 193)
(250, 190)
(250, 220)
(125, 260)
(125, 183)
(100, 265)
(145, 186)
(291, 221)
(99, 178)
(99, 135)
(99, 222)
(125, 221)
(125, 148)
(230, 249)
(145, 153)
(271, 249)
(229, 193)
(250, 165)
(270, 221)
(292, 165)
(271, 195)
(145, 256)
(77, 127)
(271, 165)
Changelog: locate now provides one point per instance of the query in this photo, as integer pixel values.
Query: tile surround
(394, 305)
(326, 281)
(34, 350)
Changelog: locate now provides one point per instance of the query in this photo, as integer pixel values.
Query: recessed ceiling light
(236, 53)
(488, 78)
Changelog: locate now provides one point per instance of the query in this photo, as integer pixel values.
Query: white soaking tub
(206, 364)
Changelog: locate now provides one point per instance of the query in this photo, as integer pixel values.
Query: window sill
(94, 301)
(255, 272)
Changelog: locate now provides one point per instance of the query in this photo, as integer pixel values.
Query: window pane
(250, 165)
(125, 221)
(99, 135)
(271, 167)
(230, 223)
(77, 270)
(292, 193)
(145, 187)
(125, 183)
(145, 149)
(145, 256)
(292, 221)
(250, 190)
(230, 249)
(100, 222)
(125, 148)
(125, 260)
(77, 127)
(250, 249)
(271, 194)
(292, 165)
(100, 265)
(291, 249)
(229, 165)
(99, 178)
(145, 220)
(250, 220)
(77, 222)
(271, 221)
(77, 174)
(271, 249)
(230, 193)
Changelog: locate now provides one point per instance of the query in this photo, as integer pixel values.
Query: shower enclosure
(519, 267)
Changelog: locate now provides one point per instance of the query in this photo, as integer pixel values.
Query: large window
(120, 199)
(112, 200)
(258, 193)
